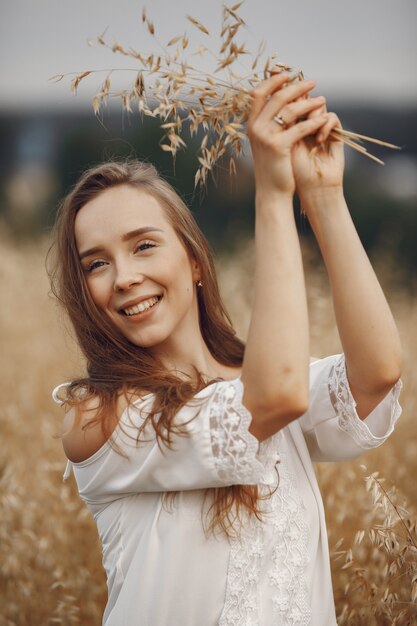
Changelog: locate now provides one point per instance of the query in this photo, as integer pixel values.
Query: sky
(357, 50)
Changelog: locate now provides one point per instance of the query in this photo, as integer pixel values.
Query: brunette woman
(192, 450)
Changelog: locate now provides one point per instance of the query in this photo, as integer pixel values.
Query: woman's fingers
(263, 91)
(332, 122)
(319, 111)
(307, 127)
(300, 114)
(295, 110)
(283, 97)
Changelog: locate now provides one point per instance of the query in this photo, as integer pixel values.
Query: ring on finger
(280, 120)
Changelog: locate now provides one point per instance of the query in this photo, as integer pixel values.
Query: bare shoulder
(80, 440)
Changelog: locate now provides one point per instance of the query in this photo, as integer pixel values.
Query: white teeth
(142, 306)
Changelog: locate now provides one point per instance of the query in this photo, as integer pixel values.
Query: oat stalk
(213, 105)
(374, 478)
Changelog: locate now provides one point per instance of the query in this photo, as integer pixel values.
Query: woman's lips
(143, 310)
(141, 306)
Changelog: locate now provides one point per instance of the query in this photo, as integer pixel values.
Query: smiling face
(137, 270)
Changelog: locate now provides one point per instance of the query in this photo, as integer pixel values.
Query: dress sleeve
(215, 450)
(331, 426)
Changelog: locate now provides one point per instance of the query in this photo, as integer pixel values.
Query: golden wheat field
(50, 566)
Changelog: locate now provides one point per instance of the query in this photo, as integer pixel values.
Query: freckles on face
(137, 270)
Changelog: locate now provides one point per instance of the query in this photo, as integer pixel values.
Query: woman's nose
(126, 275)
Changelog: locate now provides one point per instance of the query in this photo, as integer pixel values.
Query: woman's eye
(94, 265)
(144, 245)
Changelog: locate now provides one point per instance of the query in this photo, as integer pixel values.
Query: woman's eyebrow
(140, 231)
(126, 237)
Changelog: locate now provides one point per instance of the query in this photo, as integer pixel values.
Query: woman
(194, 453)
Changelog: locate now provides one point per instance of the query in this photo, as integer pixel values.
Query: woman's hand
(272, 142)
(318, 162)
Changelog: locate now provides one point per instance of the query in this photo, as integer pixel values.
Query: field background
(362, 55)
(50, 567)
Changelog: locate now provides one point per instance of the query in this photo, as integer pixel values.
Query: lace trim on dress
(290, 553)
(282, 544)
(247, 554)
(235, 449)
(345, 407)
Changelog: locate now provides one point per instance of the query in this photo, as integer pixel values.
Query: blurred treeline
(42, 154)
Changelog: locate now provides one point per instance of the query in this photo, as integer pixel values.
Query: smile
(142, 306)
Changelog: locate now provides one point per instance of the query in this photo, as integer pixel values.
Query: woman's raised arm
(275, 366)
(366, 327)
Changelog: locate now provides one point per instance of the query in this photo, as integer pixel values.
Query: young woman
(192, 451)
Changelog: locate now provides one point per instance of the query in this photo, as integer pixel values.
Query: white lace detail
(345, 407)
(277, 546)
(289, 554)
(235, 449)
(247, 554)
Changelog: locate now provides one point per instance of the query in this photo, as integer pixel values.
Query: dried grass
(213, 105)
(50, 563)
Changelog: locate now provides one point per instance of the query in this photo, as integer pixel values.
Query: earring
(199, 283)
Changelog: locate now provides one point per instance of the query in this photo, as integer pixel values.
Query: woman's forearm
(367, 329)
(275, 367)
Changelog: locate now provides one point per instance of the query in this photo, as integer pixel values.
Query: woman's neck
(187, 360)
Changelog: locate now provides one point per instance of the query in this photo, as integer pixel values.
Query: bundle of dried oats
(190, 101)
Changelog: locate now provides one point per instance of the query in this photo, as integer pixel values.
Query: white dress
(162, 570)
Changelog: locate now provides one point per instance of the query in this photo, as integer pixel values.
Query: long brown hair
(114, 364)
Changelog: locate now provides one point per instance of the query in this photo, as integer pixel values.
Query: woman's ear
(196, 270)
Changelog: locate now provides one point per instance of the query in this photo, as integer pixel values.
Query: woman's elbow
(268, 419)
(392, 371)
(293, 404)
(279, 408)
(286, 390)
(387, 376)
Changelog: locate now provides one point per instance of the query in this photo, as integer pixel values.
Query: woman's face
(137, 270)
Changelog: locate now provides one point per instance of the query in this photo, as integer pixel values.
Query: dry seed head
(56, 78)
(101, 39)
(198, 24)
(126, 101)
(151, 27)
(173, 41)
(119, 48)
(76, 81)
(136, 55)
(96, 104)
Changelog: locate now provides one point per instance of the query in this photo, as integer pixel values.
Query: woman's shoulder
(81, 434)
